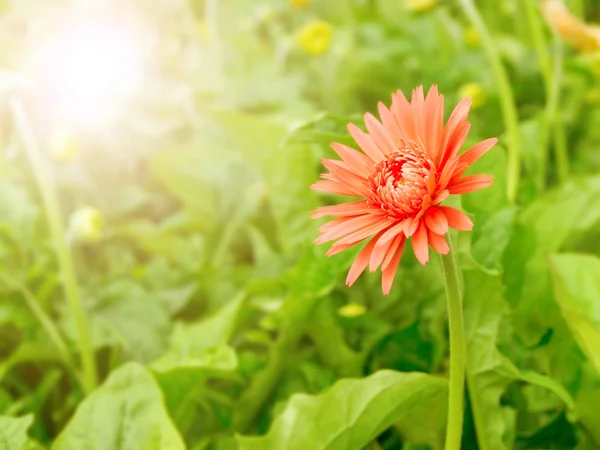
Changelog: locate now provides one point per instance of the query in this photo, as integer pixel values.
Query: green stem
(49, 196)
(263, 383)
(552, 75)
(457, 352)
(509, 108)
(560, 142)
(45, 321)
(545, 62)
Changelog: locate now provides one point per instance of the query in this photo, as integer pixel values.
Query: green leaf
(491, 236)
(253, 136)
(189, 342)
(348, 415)
(123, 313)
(570, 210)
(577, 284)
(125, 413)
(13, 432)
(488, 371)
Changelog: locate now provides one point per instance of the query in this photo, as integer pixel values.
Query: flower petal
(455, 123)
(434, 123)
(410, 226)
(457, 219)
(348, 226)
(361, 262)
(365, 142)
(389, 272)
(440, 197)
(471, 183)
(477, 151)
(359, 162)
(343, 209)
(364, 232)
(379, 134)
(333, 187)
(436, 220)
(390, 124)
(438, 242)
(396, 247)
(419, 243)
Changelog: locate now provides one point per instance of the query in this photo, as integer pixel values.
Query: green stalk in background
(509, 108)
(45, 321)
(456, 398)
(49, 196)
(552, 74)
(264, 382)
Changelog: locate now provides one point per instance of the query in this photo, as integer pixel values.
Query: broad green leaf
(488, 371)
(587, 412)
(197, 352)
(348, 415)
(125, 314)
(577, 284)
(568, 211)
(491, 236)
(125, 413)
(189, 342)
(13, 432)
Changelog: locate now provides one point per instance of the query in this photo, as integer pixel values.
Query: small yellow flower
(475, 92)
(352, 310)
(86, 225)
(315, 37)
(420, 5)
(299, 3)
(471, 37)
(63, 146)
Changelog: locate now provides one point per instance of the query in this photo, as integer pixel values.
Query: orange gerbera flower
(409, 166)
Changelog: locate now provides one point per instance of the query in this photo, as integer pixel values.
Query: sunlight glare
(90, 70)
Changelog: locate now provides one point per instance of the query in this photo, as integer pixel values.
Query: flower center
(400, 182)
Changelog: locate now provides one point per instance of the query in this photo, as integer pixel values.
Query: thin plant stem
(560, 142)
(46, 322)
(507, 101)
(552, 76)
(456, 397)
(49, 196)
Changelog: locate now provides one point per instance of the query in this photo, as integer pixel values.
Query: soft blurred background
(155, 239)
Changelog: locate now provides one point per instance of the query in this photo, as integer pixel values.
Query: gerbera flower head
(408, 166)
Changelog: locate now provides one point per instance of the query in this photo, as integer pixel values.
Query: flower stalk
(49, 196)
(507, 101)
(457, 352)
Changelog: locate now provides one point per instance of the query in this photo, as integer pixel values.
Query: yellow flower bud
(475, 92)
(471, 37)
(299, 3)
(352, 310)
(315, 37)
(86, 225)
(63, 146)
(420, 5)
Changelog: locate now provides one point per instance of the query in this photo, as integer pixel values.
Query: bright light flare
(89, 69)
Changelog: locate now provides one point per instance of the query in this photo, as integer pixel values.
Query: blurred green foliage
(208, 306)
